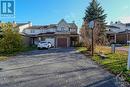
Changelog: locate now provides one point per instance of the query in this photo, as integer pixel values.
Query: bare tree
(85, 35)
(98, 34)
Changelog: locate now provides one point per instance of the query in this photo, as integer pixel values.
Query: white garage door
(51, 40)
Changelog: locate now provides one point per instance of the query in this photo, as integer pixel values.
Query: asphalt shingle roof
(128, 24)
(42, 27)
(110, 26)
(71, 25)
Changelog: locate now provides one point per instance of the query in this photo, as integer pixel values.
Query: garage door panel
(62, 42)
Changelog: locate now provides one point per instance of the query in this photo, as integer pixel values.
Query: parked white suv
(43, 44)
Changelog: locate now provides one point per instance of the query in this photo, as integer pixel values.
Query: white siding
(32, 31)
(63, 27)
(50, 30)
(51, 40)
(21, 28)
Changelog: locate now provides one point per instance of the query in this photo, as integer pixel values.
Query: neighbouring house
(118, 32)
(62, 34)
(20, 27)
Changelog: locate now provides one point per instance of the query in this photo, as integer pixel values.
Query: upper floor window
(62, 29)
(73, 30)
(32, 31)
(42, 30)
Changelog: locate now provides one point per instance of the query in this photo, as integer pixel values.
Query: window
(62, 29)
(73, 30)
(43, 30)
(48, 30)
(32, 31)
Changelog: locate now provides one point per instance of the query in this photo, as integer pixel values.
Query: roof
(47, 33)
(62, 20)
(72, 25)
(128, 24)
(43, 27)
(35, 27)
(20, 24)
(128, 31)
(110, 26)
(109, 32)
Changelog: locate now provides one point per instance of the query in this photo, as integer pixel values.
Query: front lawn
(115, 62)
(24, 49)
(81, 49)
(28, 48)
(3, 58)
(126, 46)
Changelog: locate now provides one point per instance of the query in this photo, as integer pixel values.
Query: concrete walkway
(53, 68)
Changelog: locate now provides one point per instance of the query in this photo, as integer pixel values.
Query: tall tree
(95, 12)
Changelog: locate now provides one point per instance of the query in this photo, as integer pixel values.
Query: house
(62, 34)
(118, 32)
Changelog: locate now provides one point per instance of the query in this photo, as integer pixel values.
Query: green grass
(29, 48)
(24, 49)
(126, 46)
(115, 62)
(3, 58)
(81, 49)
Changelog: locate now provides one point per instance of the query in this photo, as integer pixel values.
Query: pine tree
(95, 12)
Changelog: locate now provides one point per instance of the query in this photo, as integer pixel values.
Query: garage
(62, 42)
(51, 40)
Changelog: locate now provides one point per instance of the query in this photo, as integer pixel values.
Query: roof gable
(63, 23)
(72, 25)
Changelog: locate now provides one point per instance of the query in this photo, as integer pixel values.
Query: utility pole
(91, 26)
(128, 61)
(127, 35)
(92, 43)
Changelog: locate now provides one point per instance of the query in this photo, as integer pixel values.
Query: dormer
(63, 26)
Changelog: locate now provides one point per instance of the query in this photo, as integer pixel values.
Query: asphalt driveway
(53, 68)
